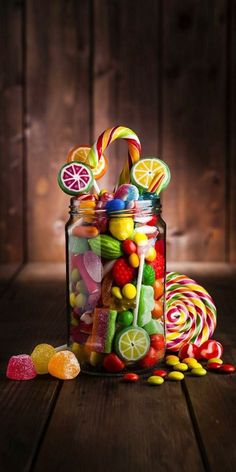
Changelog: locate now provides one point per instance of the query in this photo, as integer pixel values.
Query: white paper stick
(96, 187)
(63, 347)
(139, 283)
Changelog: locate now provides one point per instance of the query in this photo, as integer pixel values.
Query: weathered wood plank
(194, 81)
(11, 138)
(113, 426)
(58, 88)
(231, 182)
(126, 74)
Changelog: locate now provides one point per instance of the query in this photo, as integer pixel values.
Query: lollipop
(147, 174)
(190, 312)
(106, 138)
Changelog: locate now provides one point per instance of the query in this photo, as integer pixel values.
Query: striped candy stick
(106, 138)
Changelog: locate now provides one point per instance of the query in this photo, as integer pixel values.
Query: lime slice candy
(143, 172)
(75, 178)
(132, 343)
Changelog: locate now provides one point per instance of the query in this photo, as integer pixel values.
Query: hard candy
(21, 367)
(64, 365)
(210, 349)
(115, 205)
(121, 228)
(127, 192)
(189, 350)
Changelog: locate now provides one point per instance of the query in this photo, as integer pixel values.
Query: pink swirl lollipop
(190, 312)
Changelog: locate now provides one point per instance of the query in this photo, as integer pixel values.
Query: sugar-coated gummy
(41, 356)
(64, 365)
(21, 367)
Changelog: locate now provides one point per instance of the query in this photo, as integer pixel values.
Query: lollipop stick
(96, 187)
(156, 182)
(63, 347)
(139, 283)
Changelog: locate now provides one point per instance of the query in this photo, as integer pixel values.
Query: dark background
(70, 69)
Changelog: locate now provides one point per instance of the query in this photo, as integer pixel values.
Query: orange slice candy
(80, 153)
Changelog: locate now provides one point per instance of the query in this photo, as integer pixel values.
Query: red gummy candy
(112, 363)
(158, 265)
(122, 272)
(21, 368)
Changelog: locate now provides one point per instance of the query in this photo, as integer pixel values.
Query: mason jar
(116, 266)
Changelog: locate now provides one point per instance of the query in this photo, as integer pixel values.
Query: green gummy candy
(154, 327)
(78, 245)
(146, 305)
(111, 328)
(148, 275)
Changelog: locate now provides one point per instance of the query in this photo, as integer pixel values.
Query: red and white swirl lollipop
(190, 312)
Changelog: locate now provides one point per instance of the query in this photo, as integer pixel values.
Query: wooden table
(102, 424)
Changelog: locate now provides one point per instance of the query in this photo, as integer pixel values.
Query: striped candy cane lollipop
(106, 138)
(190, 312)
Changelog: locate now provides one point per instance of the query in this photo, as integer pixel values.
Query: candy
(210, 349)
(139, 237)
(146, 304)
(96, 358)
(134, 260)
(148, 275)
(64, 365)
(104, 326)
(122, 272)
(157, 341)
(85, 231)
(153, 327)
(106, 246)
(129, 246)
(227, 369)
(213, 366)
(151, 254)
(172, 360)
(121, 228)
(116, 292)
(93, 265)
(157, 311)
(156, 183)
(190, 312)
(191, 362)
(158, 265)
(106, 138)
(180, 367)
(160, 372)
(125, 318)
(40, 356)
(80, 300)
(198, 371)
(215, 359)
(75, 178)
(189, 350)
(78, 245)
(144, 171)
(131, 344)
(112, 363)
(21, 367)
(106, 289)
(91, 285)
(130, 377)
(150, 359)
(175, 376)
(127, 192)
(158, 289)
(155, 380)
(129, 291)
(115, 205)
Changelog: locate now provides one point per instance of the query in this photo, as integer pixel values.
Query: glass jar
(116, 286)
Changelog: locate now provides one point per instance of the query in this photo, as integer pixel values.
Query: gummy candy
(40, 356)
(21, 367)
(64, 365)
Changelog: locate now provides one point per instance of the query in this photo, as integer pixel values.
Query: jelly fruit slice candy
(132, 343)
(75, 178)
(41, 356)
(21, 368)
(64, 365)
(93, 265)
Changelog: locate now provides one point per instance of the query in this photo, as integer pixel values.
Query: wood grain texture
(58, 86)
(231, 181)
(11, 136)
(126, 68)
(194, 127)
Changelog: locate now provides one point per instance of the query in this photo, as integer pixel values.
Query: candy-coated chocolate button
(130, 377)
(198, 371)
(138, 237)
(160, 372)
(125, 318)
(151, 254)
(190, 361)
(213, 366)
(181, 367)
(134, 260)
(175, 376)
(172, 360)
(155, 380)
(197, 365)
(129, 291)
(215, 359)
(227, 368)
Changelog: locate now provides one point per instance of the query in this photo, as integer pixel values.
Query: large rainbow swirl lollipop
(190, 312)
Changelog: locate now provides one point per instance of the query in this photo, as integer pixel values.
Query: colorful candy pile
(116, 257)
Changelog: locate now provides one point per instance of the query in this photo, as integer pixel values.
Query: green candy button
(125, 318)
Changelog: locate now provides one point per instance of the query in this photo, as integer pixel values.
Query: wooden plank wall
(165, 69)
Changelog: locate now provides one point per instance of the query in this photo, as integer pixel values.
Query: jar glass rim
(153, 205)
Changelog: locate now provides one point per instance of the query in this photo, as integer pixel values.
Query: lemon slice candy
(132, 344)
(143, 172)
